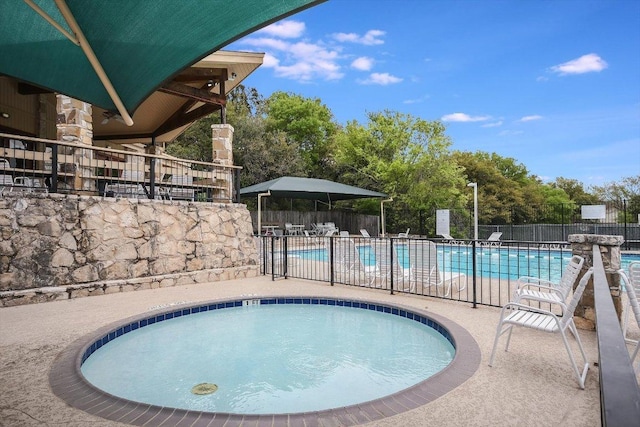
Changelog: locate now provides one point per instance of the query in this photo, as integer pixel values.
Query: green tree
(501, 185)
(306, 122)
(405, 157)
(621, 194)
(575, 190)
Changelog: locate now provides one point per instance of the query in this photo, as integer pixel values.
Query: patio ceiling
(166, 114)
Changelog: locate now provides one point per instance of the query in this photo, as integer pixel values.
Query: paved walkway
(531, 385)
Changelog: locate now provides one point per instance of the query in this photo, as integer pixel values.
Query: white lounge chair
(632, 286)
(425, 271)
(447, 238)
(349, 267)
(364, 233)
(405, 234)
(386, 265)
(536, 289)
(514, 314)
(493, 240)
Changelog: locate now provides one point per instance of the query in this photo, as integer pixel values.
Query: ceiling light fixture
(233, 77)
(5, 115)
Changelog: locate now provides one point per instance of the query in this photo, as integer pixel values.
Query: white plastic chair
(493, 240)
(515, 314)
(536, 289)
(405, 234)
(364, 233)
(632, 286)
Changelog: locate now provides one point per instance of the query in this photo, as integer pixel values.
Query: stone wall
(55, 246)
(582, 244)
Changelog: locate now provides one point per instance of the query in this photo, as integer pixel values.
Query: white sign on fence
(442, 222)
(594, 212)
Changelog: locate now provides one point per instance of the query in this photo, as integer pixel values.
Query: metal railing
(619, 391)
(29, 165)
(477, 272)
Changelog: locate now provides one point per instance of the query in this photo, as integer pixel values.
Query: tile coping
(69, 384)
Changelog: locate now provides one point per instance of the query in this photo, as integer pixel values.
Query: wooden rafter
(185, 91)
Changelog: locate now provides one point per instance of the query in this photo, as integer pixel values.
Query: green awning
(139, 43)
(309, 188)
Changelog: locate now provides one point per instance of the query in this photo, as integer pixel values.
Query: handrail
(118, 172)
(619, 391)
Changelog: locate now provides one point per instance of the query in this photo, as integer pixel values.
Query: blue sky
(552, 84)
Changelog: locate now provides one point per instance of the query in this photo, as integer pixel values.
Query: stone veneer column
(222, 139)
(75, 124)
(582, 244)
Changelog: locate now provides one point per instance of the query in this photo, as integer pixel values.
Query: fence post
(331, 267)
(236, 182)
(391, 262)
(473, 256)
(273, 263)
(54, 168)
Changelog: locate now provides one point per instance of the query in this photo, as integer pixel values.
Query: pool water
(278, 358)
(504, 263)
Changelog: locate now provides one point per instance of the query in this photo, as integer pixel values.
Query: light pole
(475, 208)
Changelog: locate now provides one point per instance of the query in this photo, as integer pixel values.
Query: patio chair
(632, 286)
(385, 265)
(288, 228)
(447, 238)
(425, 271)
(6, 183)
(180, 188)
(514, 314)
(493, 240)
(348, 264)
(365, 233)
(536, 289)
(405, 234)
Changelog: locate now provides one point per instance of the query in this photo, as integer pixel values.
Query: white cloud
(382, 79)
(493, 125)
(300, 61)
(585, 64)
(462, 117)
(370, 38)
(363, 63)
(416, 101)
(284, 29)
(530, 118)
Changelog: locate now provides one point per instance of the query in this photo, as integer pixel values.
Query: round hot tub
(266, 358)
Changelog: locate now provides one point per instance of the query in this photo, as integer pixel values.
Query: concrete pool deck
(532, 384)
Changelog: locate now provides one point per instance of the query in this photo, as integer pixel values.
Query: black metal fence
(477, 272)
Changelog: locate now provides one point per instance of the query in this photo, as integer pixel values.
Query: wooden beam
(179, 120)
(198, 74)
(185, 91)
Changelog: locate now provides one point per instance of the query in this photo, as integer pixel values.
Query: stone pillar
(75, 124)
(222, 139)
(582, 244)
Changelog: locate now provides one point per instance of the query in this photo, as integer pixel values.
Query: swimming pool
(68, 382)
(491, 262)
